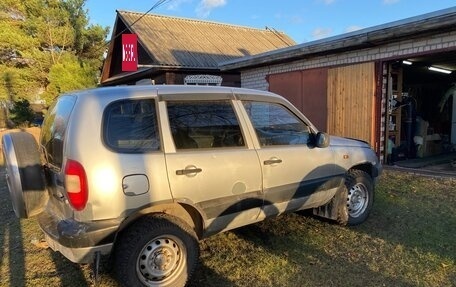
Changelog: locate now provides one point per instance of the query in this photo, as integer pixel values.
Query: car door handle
(188, 171)
(272, 161)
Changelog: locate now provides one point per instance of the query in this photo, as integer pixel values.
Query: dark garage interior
(422, 113)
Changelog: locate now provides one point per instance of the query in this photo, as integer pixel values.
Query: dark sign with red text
(129, 53)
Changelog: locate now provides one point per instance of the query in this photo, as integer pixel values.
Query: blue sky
(302, 20)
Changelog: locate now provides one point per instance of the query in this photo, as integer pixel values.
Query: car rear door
(211, 163)
(296, 174)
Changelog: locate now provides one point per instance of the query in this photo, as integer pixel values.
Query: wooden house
(170, 48)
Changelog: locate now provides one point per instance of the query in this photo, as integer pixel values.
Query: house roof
(426, 24)
(180, 42)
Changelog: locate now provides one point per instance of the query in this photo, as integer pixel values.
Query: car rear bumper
(78, 255)
(78, 241)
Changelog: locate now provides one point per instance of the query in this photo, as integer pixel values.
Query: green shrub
(21, 114)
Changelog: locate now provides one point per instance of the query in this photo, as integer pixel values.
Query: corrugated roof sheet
(184, 42)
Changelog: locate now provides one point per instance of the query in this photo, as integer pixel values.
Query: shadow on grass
(12, 244)
(418, 214)
(314, 264)
(70, 273)
(11, 238)
(306, 264)
(204, 276)
(290, 239)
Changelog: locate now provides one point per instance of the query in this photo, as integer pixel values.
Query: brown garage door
(339, 100)
(306, 90)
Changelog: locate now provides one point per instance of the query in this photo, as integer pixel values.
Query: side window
(54, 127)
(276, 125)
(131, 126)
(204, 124)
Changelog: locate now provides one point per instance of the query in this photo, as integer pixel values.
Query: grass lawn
(409, 240)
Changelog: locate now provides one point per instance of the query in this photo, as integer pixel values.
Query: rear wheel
(158, 250)
(24, 174)
(360, 196)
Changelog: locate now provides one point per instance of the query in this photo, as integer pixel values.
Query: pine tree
(47, 48)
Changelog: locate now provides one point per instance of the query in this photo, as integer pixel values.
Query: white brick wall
(256, 78)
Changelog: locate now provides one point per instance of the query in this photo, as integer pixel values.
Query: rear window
(53, 129)
(131, 126)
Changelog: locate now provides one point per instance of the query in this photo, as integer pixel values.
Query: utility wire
(278, 35)
(155, 6)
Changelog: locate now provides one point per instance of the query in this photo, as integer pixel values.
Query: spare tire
(24, 174)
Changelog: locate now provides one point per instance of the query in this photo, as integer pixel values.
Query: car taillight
(76, 184)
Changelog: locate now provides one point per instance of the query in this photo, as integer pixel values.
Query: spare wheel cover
(24, 174)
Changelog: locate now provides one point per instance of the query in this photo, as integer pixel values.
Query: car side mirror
(322, 140)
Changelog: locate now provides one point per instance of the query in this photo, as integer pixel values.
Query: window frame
(285, 108)
(133, 150)
(228, 102)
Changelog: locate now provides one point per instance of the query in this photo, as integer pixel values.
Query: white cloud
(320, 33)
(292, 19)
(206, 6)
(353, 28)
(328, 2)
(175, 4)
(389, 2)
(296, 19)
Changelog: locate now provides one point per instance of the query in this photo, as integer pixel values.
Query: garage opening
(421, 110)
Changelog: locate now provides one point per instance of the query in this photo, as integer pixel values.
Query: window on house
(203, 80)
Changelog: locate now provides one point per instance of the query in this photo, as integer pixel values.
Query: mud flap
(336, 209)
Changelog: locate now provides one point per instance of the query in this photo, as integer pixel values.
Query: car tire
(158, 250)
(360, 197)
(24, 174)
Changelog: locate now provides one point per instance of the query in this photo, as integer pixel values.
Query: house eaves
(442, 20)
(126, 76)
(149, 70)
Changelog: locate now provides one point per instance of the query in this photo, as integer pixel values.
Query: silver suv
(144, 172)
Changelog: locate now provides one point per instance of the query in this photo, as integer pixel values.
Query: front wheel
(157, 250)
(360, 196)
